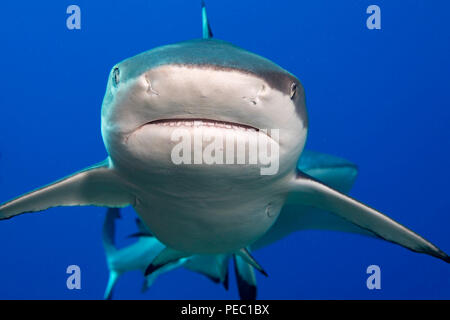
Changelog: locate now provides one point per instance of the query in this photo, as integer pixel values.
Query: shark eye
(116, 76)
(293, 90)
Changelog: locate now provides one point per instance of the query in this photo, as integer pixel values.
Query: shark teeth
(197, 123)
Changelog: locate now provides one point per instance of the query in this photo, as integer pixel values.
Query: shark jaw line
(193, 123)
(202, 122)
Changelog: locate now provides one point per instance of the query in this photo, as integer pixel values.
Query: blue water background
(380, 98)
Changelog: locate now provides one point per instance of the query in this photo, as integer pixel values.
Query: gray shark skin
(205, 209)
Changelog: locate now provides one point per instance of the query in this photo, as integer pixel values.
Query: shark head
(207, 84)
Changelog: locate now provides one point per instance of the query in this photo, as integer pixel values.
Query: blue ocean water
(379, 98)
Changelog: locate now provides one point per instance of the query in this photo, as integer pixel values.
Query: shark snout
(181, 92)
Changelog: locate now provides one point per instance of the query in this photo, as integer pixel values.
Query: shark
(336, 172)
(140, 254)
(219, 89)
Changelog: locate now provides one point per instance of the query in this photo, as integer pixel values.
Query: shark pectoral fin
(172, 265)
(166, 257)
(316, 194)
(338, 173)
(140, 235)
(246, 279)
(97, 185)
(247, 257)
(143, 230)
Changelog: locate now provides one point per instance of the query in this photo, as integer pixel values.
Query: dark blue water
(379, 98)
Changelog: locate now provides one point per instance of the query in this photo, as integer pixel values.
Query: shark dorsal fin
(207, 32)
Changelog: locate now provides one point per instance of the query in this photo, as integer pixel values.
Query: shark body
(220, 89)
(334, 171)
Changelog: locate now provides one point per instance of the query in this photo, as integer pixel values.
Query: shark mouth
(202, 123)
(193, 123)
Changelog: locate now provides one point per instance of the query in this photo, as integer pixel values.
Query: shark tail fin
(109, 231)
(113, 276)
(145, 286)
(207, 32)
